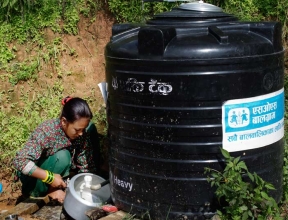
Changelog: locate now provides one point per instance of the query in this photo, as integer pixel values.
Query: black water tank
(180, 87)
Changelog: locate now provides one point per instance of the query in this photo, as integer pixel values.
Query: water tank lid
(200, 6)
(197, 9)
(178, 13)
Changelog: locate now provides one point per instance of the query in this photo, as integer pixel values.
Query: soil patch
(82, 67)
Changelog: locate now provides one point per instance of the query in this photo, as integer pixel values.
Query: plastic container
(181, 87)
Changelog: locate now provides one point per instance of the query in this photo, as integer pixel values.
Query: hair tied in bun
(66, 99)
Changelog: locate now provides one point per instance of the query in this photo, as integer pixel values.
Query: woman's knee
(63, 162)
(63, 156)
(59, 163)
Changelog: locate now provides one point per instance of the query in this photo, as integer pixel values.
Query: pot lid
(190, 14)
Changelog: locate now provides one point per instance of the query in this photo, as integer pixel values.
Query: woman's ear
(63, 121)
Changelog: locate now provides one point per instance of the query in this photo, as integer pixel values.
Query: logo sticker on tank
(253, 122)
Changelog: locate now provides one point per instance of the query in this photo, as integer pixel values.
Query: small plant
(129, 217)
(145, 215)
(24, 71)
(242, 199)
(100, 120)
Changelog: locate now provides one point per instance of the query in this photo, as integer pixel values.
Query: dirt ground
(82, 72)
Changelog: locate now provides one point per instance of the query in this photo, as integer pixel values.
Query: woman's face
(75, 129)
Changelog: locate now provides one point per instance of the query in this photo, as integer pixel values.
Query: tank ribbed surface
(171, 97)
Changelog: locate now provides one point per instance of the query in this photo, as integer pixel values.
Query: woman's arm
(42, 174)
(26, 157)
(39, 142)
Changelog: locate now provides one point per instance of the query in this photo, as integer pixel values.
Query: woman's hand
(58, 182)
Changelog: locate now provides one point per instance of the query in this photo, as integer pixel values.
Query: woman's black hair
(75, 108)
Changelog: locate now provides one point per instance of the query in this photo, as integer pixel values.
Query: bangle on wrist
(49, 177)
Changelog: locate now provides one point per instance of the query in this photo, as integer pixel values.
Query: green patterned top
(46, 140)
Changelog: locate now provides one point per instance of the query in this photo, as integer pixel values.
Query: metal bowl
(76, 203)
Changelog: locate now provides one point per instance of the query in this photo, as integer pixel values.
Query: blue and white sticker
(253, 122)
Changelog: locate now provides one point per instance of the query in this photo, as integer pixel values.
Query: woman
(56, 147)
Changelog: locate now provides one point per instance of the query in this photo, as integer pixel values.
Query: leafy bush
(244, 200)
(25, 21)
(257, 10)
(6, 54)
(245, 10)
(23, 72)
(285, 167)
(18, 123)
(134, 11)
(275, 10)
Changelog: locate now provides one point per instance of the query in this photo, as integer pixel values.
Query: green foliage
(134, 11)
(126, 11)
(243, 199)
(89, 7)
(275, 10)
(145, 215)
(13, 6)
(257, 10)
(246, 10)
(285, 166)
(99, 118)
(129, 217)
(280, 13)
(6, 54)
(23, 72)
(72, 18)
(18, 123)
(25, 21)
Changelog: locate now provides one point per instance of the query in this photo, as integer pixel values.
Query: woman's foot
(56, 194)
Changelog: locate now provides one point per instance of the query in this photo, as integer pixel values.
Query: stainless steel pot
(80, 199)
(12, 217)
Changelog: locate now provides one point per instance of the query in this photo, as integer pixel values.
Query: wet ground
(4, 207)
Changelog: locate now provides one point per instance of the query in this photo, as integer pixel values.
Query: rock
(95, 213)
(216, 217)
